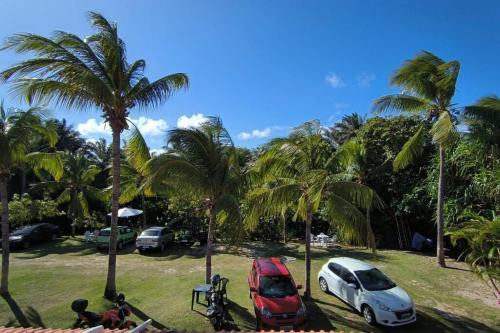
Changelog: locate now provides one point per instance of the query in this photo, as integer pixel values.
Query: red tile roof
(56, 330)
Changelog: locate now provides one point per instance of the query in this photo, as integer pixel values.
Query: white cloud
(194, 121)
(157, 151)
(334, 80)
(255, 134)
(150, 127)
(365, 79)
(91, 126)
(147, 126)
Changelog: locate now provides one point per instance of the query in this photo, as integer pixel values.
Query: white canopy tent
(128, 212)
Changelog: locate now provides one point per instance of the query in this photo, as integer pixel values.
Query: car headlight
(15, 238)
(266, 313)
(301, 311)
(383, 307)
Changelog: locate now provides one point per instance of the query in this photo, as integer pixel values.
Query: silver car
(154, 238)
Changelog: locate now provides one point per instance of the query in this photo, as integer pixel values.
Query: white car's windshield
(373, 279)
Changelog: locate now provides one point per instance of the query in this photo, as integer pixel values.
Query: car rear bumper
(387, 318)
(144, 247)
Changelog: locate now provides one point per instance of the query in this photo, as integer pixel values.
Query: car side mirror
(253, 289)
(352, 285)
(299, 286)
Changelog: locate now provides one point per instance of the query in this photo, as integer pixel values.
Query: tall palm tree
(428, 84)
(202, 162)
(75, 186)
(483, 119)
(352, 159)
(294, 171)
(89, 73)
(346, 129)
(15, 127)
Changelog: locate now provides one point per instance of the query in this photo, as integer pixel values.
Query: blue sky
(265, 66)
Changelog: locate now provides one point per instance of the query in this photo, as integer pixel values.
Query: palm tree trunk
(110, 291)
(440, 203)
(4, 289)
(144, 219)
(210, 237)
(370, 237)
(307, 291)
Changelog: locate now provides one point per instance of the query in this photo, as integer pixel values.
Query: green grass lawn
(45, 279)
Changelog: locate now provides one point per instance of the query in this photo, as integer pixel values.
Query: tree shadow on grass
(63, 246)
(317, 318)
(178, 251)
(142, 316)
(245, 318)
(29, 318)
(296, 250)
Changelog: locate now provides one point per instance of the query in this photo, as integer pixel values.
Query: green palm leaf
(411, 150)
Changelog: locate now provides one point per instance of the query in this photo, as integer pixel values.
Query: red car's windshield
(276, 286)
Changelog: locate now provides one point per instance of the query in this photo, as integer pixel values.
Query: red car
(276, 300)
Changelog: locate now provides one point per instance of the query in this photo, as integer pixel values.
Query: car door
(349, 294)
(36, 235)
(130, 235)
(333, 277)
(170, 235)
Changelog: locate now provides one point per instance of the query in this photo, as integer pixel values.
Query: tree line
(361, 176)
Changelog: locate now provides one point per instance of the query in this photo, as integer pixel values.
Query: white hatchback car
(368, 290)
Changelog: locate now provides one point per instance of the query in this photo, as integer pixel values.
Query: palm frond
(401, 102)
(145, 93)
(350, 222)
(50, 162)
(442, 128)
(359, 194)
(411, 150)
(136, 150)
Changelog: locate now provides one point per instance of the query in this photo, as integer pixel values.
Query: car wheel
(120, 246)
(323, 285)
(368, 315)
(26, 244)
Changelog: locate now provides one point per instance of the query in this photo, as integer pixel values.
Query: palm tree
(15, 127)
(202, 162)
(352, 158)
(76, 186)
(346, 129)
(134, 175)
(294, 171)
(100, 152)
(483, 120)
(90, 73)
(428, 84)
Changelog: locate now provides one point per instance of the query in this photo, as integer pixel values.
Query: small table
(201, 288)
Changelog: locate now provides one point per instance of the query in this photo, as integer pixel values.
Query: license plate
(286, 328)
(405, 315)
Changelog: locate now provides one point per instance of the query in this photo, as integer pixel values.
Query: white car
(367, 290)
